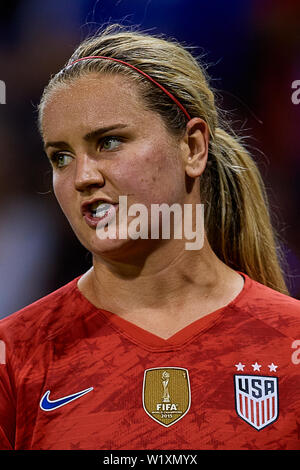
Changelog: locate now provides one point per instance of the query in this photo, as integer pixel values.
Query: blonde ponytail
(238, 221)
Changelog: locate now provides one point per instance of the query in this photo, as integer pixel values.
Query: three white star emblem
(255, 367)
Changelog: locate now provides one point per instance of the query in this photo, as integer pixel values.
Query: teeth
(100, 208)
(96, 204)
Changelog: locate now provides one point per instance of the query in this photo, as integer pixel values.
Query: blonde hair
(237, 216)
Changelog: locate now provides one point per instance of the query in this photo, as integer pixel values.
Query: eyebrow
(89, 136)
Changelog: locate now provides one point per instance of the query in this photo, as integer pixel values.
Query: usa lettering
(256, 387)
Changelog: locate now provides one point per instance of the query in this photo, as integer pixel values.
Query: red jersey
(73, 376)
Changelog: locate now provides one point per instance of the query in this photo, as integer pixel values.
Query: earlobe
(195, 169)
(197, 138)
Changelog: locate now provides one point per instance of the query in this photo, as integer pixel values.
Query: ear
(196, 139)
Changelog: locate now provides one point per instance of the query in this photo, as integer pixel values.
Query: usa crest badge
(166, 394)
(256, 399)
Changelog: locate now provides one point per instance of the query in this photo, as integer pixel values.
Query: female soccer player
(159, 345)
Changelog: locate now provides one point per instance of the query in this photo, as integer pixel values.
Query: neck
(161, 280)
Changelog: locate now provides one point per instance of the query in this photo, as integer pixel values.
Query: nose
(87, 173)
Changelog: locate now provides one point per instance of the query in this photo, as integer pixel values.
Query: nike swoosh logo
(48, 405)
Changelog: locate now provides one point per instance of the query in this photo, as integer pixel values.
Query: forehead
(92, 100)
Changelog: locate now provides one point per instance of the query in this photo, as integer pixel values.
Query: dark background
(253, 48)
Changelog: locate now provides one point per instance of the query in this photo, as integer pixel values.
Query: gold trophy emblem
(165, 380)
(166, 394)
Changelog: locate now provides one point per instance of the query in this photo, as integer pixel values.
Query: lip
(85, 205)
(94, 221)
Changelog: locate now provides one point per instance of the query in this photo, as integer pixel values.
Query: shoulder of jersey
(278, 310)
(44, 317)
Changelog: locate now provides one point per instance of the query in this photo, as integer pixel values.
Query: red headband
(140, 71)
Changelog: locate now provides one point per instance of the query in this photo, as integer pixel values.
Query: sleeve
(7, 402)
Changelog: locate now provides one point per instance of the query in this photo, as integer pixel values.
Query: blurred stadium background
(253, 48)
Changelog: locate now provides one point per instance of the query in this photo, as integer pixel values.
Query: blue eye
(110, 143)
(59, 159)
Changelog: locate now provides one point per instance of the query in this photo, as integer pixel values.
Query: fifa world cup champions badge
(166, 394)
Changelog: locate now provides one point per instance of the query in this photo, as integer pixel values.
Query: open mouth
(99, 211)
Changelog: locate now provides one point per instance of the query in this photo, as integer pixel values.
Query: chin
(112, 248)
(117, 249)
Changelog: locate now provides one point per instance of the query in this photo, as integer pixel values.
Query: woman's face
(103, 144)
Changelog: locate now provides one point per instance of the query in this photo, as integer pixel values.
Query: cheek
(152, 175)
(62, 194)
